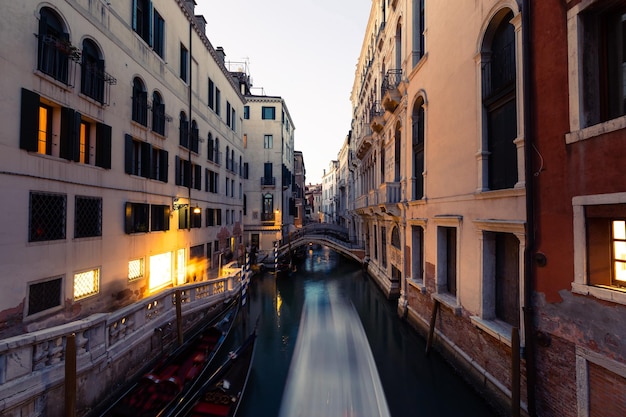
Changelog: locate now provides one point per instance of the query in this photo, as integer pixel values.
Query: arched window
(395, 237)
(195, 137)
(54, 50)
(158, 114)
(140, 102)
(217, 150)
(268, 207)
(210, 148)
(417, 133)
(183, 130)
(397, 153)
(227, 157)
(499, 103)
(92, 72)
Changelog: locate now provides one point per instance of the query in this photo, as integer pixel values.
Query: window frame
(268, 113)
(581, 284)
(442, 224)
(486, 318)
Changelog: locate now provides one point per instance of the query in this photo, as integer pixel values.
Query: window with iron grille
(87, 217)
(86, 283)
(47, 217)
(44, 295)
(135, 269)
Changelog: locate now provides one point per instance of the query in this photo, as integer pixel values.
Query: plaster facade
(110, 140)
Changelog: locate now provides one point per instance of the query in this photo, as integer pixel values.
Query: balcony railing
(390, 193)
(268, 217)
(268, 181)
(391, 81)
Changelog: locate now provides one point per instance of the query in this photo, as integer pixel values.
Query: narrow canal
(414, 385)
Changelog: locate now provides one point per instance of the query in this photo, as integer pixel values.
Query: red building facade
(577, 120)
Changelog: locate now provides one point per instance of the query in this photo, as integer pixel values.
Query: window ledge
(603, 293)
(449, 301)
(498, 330)
(596, 130)
(417, 284)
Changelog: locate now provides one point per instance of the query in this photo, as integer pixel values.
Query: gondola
(221, 394)
(177, 373)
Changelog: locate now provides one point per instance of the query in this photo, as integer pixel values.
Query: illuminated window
(135, 269)
(86, 283)
(160, 271)
(45, 130)
(606, 244)
(84, 142)
(619, 252)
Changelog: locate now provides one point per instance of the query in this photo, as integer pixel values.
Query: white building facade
(122, 132)
(269, 135)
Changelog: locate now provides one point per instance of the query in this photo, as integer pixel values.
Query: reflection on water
(413, 384)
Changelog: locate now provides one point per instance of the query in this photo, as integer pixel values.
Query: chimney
(201, 22)
(190, 5)
(221, 54)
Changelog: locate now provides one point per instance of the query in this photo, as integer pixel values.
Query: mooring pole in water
(515, 372)
(431, 331)
(70, 375)
(179, 317)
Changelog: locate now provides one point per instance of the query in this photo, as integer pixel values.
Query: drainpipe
(189, 134)
(529, 328)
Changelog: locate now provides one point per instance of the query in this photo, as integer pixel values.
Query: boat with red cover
(221, 394)
(178, 373)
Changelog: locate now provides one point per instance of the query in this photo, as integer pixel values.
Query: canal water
(413, 384)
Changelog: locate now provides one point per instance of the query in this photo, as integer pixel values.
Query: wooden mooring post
(179, 317)
(431, 330)
(515, 372)
(70, 375)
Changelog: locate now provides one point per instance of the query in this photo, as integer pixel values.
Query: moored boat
(221, 394)
(177, 373)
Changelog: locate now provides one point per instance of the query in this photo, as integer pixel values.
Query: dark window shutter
(177, 171)
(67, 128)
(128, 154)
(103, 146)
(163, 164)
(146, 159)
(29, 124)
(135, 15)
(198, 177)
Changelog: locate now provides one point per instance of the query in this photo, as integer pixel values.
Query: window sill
(596, 130)
(602, 293)
(496, 329)
(449, 301)
(417, 284)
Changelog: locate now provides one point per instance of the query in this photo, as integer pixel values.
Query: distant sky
(305, 51)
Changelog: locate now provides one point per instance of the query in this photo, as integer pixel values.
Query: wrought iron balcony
(389, 89)
(268, 217)
(268, 181)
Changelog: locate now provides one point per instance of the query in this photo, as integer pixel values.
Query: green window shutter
(103, 146)
(128, 154)
(163, 155)
(29, 123)
(146, 159)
